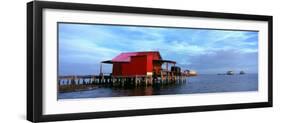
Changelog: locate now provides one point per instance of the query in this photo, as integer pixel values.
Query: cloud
(224, 60)
(83, 46)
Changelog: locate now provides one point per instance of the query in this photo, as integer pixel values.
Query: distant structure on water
(190, 72)
(230, 72)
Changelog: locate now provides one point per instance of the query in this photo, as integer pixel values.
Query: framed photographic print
(94, 61)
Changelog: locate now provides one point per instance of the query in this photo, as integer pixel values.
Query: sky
(208, 51)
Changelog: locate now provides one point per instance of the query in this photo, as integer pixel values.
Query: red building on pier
(138, 63)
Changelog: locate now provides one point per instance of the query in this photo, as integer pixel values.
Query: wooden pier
(130, 69)
(85, 82)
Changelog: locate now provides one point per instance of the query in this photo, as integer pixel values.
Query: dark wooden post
(83, 81)
(73, 81)
(59, 82)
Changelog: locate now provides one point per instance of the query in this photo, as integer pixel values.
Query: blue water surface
(205, 83)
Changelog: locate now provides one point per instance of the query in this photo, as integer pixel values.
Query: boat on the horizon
(242, 72)
(230, 73)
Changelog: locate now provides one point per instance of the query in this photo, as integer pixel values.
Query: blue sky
(83, 46)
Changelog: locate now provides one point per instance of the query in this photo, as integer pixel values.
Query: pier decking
(84, 82)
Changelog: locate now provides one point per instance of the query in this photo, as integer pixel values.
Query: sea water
(203, 83)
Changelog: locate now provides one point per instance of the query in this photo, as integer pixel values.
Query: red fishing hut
(147, 63)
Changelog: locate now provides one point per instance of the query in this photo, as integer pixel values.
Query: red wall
(117, 69)
(139, 65)
(149, 61)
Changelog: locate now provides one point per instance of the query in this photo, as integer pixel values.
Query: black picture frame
(34, 60)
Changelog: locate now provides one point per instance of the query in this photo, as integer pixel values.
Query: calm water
(199, 84)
